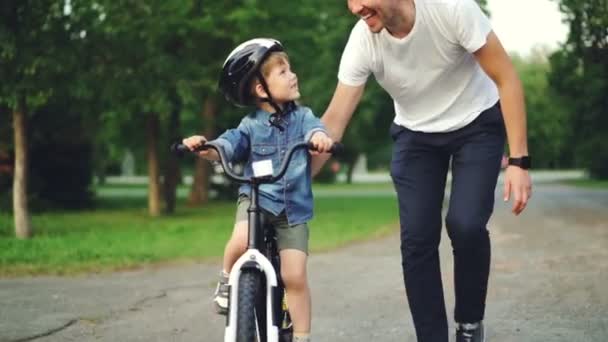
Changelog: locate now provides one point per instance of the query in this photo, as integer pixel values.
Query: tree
(484, 5)
(547, 119)
(155, 59)
(39, 41)
(580, 75)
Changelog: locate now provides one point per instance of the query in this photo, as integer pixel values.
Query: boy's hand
(321, 142)
(196, 141)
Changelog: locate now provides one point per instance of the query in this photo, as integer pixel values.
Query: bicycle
(257, 309)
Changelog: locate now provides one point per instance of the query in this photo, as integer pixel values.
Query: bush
(60, 176)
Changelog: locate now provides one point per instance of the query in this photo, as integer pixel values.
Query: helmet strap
(276, 118)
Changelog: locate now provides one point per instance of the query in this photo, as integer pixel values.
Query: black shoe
(470, 332)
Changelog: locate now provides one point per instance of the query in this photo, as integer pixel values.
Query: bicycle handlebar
(179, 149)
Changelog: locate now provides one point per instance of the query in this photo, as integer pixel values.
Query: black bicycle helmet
(242, 65)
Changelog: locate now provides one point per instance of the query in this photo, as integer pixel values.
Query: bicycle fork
(256, 260)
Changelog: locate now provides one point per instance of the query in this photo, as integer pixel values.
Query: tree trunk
(171, 178)
(199, 193)
(349, 173)
(23, 228)
(152, 134)
(349, 159)
(100, 165)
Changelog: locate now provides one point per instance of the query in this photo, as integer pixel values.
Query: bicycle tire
(249, 287)
(260, 312)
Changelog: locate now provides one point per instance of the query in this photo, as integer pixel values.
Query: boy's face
(283, 83)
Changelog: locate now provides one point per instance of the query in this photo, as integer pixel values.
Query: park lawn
(120, 235)
(588, 183)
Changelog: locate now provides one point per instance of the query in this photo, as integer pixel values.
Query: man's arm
(496, 63)
(337, 116)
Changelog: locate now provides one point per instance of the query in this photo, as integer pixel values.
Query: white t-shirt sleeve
(470, 25)
(355, 63)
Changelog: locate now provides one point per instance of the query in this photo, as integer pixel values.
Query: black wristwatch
(523, 162)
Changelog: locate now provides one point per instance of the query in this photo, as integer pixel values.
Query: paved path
(549, 282)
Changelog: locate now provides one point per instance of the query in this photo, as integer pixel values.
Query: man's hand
(321, 142)
(518, 182)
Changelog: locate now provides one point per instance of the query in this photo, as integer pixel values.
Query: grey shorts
(288, 237)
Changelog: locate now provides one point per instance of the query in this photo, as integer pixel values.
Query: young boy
(258, 73)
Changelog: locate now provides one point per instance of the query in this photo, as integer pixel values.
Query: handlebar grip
(336, 148)
(179, 149)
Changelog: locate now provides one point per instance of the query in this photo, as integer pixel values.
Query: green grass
(357, 186)
(588, 183)
(121, 235)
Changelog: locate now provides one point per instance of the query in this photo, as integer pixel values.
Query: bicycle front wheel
(249, 288)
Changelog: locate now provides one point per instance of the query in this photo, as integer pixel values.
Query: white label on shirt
(262, 168)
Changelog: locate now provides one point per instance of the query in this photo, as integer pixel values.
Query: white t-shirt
(431, 74)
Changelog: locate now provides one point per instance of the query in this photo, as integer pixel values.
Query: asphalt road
(549, 282)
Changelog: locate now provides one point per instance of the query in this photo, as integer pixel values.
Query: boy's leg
(293, 273)
(475, 167)
(235, 247)
(419, 169)
(293, 246)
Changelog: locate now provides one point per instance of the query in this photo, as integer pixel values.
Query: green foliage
(60, 167)
(38, 48)
(484, 6)
(548, 131)
(61, 164)
(41, 43)
(580, 75)
(112, 61)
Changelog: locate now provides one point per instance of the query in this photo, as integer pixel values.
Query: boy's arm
(235, 142)
(312, 125)
(316, 134)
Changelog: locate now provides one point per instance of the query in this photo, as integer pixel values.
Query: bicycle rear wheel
(249, 288)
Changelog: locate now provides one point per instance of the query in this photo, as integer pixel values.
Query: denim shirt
(256, 139)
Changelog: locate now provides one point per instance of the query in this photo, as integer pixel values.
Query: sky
(523, 24)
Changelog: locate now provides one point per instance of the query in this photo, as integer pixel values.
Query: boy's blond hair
(273, 60)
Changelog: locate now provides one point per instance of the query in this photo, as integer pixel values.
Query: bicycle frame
(254, 258)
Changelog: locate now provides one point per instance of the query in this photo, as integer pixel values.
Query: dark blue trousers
(419, 168)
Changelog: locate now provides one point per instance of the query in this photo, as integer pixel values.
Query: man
(452, 83)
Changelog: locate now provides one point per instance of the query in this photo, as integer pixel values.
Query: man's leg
(419, 171)
(475, 166)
